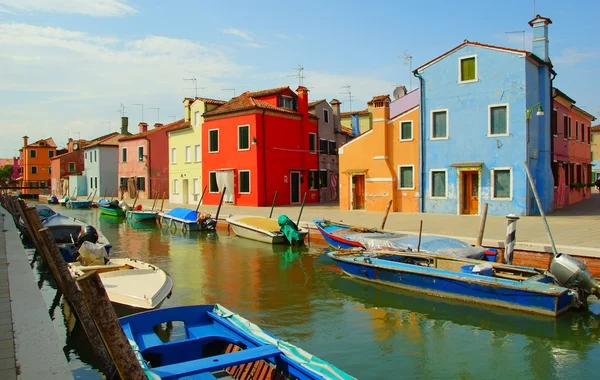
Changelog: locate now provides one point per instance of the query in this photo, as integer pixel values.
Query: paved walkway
(8, 364)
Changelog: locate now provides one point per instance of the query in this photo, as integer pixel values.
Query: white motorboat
(259, 228)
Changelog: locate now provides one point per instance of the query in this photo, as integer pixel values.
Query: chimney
(540, 37)
(124, 125)
(302, 100)
(335, 104)
(158, 125)
(187, 113)
(143, 127)
(381, 115)
(25, 141)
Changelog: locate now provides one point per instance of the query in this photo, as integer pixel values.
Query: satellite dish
(75, 146)
(399, 92)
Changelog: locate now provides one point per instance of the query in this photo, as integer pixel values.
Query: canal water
(369, 331)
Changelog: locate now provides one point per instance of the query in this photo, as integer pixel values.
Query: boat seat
(213, 363)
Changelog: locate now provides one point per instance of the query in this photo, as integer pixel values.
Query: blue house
(486, 112)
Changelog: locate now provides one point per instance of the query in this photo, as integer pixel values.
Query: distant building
(34, 163)
(595, 154)
(70, 163)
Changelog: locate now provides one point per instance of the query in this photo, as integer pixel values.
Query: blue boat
(186, 219)
(79, 204)
(501, 285)
(103, 202)
(218, 344)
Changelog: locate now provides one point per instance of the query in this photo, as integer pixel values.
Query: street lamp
(540, 111)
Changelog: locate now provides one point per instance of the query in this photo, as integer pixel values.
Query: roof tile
(165, 128)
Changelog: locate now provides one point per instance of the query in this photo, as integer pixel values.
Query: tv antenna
(109, 128)
(522, 32)
(157, 113)
(193, 79)
(408, 61)
(229, 89)
(349, 93)
(121, 110)
(140, 104)
(173, 117)
(299, 74)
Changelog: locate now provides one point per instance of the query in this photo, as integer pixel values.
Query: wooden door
(186, 191)
(470, 192)
(295, 187)
(358, 191)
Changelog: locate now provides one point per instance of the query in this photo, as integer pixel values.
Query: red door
(358, 191)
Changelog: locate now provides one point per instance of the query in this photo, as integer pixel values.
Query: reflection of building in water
(386, 323)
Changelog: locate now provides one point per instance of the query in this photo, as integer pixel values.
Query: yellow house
(185, 152)
(383, 163)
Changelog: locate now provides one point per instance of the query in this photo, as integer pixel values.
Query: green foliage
(5, 172)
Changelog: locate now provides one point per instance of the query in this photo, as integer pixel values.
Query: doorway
(358, 192)
(470, 192)
(295, 187)
(186, 191)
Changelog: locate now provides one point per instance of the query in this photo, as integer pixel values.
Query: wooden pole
(201, 197)
(93, 195)
(163, 202)
(273, 204)
(301, 209)
(155, 199)
(387, 211)
(420, 232)
(482, 225)
(105, 317)
(220, 203)
(135, 200)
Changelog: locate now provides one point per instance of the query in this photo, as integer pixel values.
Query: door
(470, 192)
(185, 187)
(295, 187)
(358, 192)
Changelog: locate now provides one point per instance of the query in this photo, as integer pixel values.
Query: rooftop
(166, 128)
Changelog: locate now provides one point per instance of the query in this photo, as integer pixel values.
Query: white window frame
(196, 118)
(71, 171)
(197, 153)
(492, 197)
(460, 59)
(194, 182)
(490, 119)
(138, 149)
(447, 124)
(238, 136)
(445, 170)
(325, 112)
(412, 131)
(176, 186)
(209, 189)
(173, 156)
(218, 144)
(249, 182)
(188, 154)
(126, 155)
(291, 99)
(316, 148)
(400, 177)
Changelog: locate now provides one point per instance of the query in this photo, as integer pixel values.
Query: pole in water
(220, 203)
(301, 209)
(420, 232)
(201, 197)
(482, 225)
(273, 204)
(387, 211)
(511, 236)
(155, 199)
(162, 203)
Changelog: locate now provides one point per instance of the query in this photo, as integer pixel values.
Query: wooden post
(155, 199)
(105, 317)
(273, 204)
(387, 211)
(482, 225)
(420, 232)
(29, 216)
(201, 197)
(301, 209)
(163, 202)
(220, 203)
(135, 200)
(93, 195)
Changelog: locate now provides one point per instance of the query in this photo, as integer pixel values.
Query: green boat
(142, 215)
(111, 210)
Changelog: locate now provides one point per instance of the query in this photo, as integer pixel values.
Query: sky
(66, 66)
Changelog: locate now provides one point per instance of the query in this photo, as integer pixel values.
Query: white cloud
(573, 56)
(239, 33)
(251, 44)
(4, 10)
(96, 8)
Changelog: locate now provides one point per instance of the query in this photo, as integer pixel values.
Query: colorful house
(486, 111)
(185, 152)
(571, 150)
(65, 165)
(595, 154)
(358, 121)
(144, 161)
(330, 135)
(34, 164)
(383, 163)
(260, 143)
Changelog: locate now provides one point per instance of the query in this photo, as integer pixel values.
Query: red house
(260, 143)
(66, 164)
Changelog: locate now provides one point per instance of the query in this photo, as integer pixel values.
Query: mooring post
(273, 204)
(387, 211)
(219, 207)
(103, 313)
(511, 235)
(420, 233)
(482, 225)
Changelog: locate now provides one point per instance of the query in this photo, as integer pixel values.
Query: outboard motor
(572, 273)
(89, 233)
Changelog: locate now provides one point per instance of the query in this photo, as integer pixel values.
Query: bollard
(511, 234)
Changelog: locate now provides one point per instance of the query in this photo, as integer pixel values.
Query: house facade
(595, 154)
(260, 143)
(480, 128)
(185, 152)
(358, 122)
(383, 163)
(35, 165)
(70, 163)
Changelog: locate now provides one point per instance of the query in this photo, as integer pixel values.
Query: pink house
(143, 161)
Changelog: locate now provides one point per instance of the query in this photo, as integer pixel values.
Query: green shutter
(406, 177)
(438, 184)
(467, 69)
(499, 121)
(501, 183)
(406, 130)
(439, 124)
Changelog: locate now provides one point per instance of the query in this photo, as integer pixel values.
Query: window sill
(499, 135)
(468, 81)
(438, 197)
(501, 199)
(438, 138)
(405, 188)
(405, 140)
(243, 150)
(212, 152)
(243, 193)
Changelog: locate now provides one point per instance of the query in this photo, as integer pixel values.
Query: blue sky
(67, 65)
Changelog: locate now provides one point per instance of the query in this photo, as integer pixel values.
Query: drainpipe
(421, 142)
(147, 189)
(264, 155)
(318, 148)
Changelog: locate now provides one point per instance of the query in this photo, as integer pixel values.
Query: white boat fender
(485, 269)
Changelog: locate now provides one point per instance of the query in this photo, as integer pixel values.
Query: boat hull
(141, 216)
(334, 241)
(261, 229)
(258, 235)
(111, 211)
(79, 204)
(460, 286)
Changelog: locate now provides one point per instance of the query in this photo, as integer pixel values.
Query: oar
(202, 196)
(220, 203)
(273, 204)
(301, 208)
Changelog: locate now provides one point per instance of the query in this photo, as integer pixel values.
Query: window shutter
(295, 106)
(279, 101)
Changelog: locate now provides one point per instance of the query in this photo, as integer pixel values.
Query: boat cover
(44, 211)
(289, 229)
(306, 360)
(429, 243)
(183, 213)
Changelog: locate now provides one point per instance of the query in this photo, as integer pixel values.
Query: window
(323, 146)
(565, 124)
(570, 130)
(244, 181)
(439, 124)
(243, 137)
(287, 102)
(50, 153)
(438, 183)
(332, 148)
(32, 153)
(323, 179)
(213, 141)
(124, 155)
(123, 182)
(91, 157)
(140, 153)
(95, 156)
(71, 167)
(501, 183)
(312, 142)
(92, 182)
(196, 185)
(213, 187)
(554, 166)
(582, 132)
(406, 176)
(406, 131)
(95, 182)
(49, 169)
(34, 170)
(554, 122)
(188, 154)
(326, 116)
(197, 118)
(196, 153)
(467, 69)
(140, 183)
(498, 119)
(576, 130)
(85, 155)
(173, 155)
(589, 134)
(313, 180)
(175, 186)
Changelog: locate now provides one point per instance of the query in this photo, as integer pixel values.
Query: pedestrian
(597, 183)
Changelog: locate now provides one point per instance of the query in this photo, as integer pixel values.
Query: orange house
(35, 165)
(383, 163)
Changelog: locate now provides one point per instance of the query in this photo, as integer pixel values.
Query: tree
(5, 172)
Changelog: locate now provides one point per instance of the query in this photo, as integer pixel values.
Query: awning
(355, 171)
(472, 164)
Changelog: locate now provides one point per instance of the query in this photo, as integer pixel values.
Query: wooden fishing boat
(260, 228)
(142, 215)
(218, 344)
(79, 204)
(187, 220)
(481, 282)
(111, 210)
(131, 285)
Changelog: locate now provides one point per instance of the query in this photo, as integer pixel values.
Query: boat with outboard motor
(187, 219)
(267, 230)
